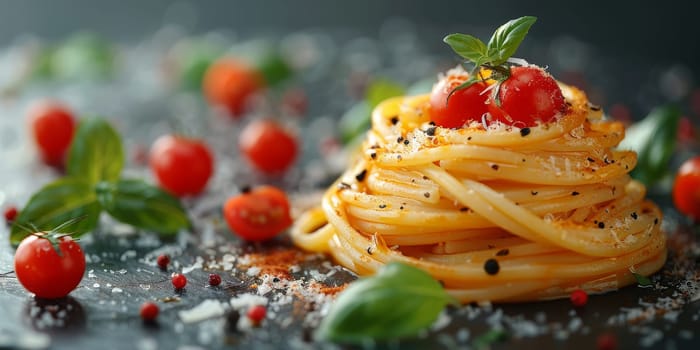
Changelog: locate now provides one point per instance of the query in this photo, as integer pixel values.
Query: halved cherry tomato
(53, 126)
(259, 214)
(463, 106)
(269, 147)
(686, 188)
(182, 165)
(530, 95)
(230, 83)
(42, 270)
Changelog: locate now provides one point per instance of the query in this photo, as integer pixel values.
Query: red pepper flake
(607, 341)
(491, 266)
(256, 314)
(149, 311)
(277, 262)
(163, 261)
(579, 298)
(11, 213)
(214, 279)
(178, 280)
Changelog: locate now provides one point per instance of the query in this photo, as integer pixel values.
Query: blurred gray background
(658, 30)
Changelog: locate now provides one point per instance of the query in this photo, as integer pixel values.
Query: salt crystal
(253, 271)
(116, 290)
(206, 309)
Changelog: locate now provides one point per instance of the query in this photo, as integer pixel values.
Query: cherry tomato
(259, 214)
(149, 311)
(269, 147)
(181, 165)
(53, 127)
(530, 95)
(463, 106)
(230, 83)
(45, 272)
(686, 188)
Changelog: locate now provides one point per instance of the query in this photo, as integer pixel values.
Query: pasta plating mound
(541, 210)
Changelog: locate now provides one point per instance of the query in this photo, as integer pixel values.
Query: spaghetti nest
(494, 212)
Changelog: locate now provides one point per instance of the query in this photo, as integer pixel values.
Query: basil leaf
(96, 153)
(56, 203)
(399, 301)
(139, 204)
(467, 46)
(641, 279)
(654, 140)
(489, 338)
(507, 38)
(381, 90)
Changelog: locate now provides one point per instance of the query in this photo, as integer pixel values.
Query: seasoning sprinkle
(399, 139)
(524, 132)
(503, 252)
(343, 186)
(463, 209)
(534, 193)
(491, 266)
(575, 193)
(406, 142)
(361, 176)
(469, 138)
(430, 131)
(369, 250)
(591, 160)
(426, 194)
(373, 155)
(634, 215)
(382, 206)
(601, 225)
(245, 189)
(494, 166)
(394, 120)
(656, 221)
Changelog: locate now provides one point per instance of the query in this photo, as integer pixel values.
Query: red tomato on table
(42, 270)
(230, 83)
(686, 188)
(52, 127)
(259, 214)
(269, 147)
(181, 165)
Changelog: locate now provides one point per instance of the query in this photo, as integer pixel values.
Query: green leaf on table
(654, 140)
(83, 56)
(507, 38)
(274, 68)
(399, 301)
(641, 279)
(96, 153)
(489, 338)
(139, 204)
(57, 203)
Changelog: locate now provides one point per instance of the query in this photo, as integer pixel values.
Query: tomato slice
(258, 215)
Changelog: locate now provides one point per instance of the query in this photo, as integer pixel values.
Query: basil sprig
(492, 55)
(93, 185)
(399, 301)
(654, 140)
